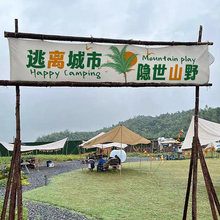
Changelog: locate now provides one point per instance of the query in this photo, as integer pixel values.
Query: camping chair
(91, 164)
(31, 161)
(99, 168)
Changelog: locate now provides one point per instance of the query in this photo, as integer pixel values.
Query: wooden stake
(8, 187)
(188, 187)
(196, 148)
(207, 181)
(16, 190)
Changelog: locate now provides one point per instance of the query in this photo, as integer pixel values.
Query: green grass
(44, 157)
(61, 158)
(139, 193)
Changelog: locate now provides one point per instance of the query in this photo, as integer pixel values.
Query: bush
(4, 177)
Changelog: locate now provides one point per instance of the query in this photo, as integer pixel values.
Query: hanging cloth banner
(38, 60)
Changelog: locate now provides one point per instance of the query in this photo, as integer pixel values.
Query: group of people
(103, 164)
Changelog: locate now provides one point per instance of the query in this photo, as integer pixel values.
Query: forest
(165, 125)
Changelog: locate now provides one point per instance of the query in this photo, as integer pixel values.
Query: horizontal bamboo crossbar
(99, 40)
(93, 84)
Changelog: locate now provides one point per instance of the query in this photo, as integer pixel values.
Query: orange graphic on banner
(56, 59)
(175, 76)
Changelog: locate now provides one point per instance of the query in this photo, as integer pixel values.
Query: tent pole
(140, 155)
(67, 148)
(121, 152)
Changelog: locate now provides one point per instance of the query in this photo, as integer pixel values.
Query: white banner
(38, 60)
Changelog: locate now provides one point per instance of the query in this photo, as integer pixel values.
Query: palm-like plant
(120, 64)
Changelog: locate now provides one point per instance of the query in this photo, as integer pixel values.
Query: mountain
(164, 125)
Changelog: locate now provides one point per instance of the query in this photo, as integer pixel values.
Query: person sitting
(118, 158)
(100, 164)
(91, 164)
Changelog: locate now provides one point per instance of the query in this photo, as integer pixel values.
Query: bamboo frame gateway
(14, 187)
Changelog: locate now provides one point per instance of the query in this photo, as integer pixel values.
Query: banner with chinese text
(37, 60)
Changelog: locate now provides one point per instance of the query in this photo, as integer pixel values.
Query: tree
(121, 63)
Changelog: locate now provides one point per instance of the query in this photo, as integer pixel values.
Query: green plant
(121, 63)
(4, 177)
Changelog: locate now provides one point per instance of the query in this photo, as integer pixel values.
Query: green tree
(120, 64)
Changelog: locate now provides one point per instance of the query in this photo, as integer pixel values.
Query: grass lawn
(139, 193)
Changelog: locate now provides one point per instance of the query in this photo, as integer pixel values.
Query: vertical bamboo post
(197, 149)
(16, 191)
(194, 157)
(16, 188)
(17, 175)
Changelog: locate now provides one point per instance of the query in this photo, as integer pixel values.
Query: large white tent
(51, 146)
(208, 132)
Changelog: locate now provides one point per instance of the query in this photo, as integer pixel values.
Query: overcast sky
(47, 110)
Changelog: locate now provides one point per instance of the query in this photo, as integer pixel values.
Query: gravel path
(43, 211)
(41, 178)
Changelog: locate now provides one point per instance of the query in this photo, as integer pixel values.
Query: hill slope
(164, 125)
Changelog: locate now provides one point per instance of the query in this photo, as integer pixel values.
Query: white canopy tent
(51, 146)
(102, 146)
(208, 132)
(85, 142)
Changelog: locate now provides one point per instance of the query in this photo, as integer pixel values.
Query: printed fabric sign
(38, 60)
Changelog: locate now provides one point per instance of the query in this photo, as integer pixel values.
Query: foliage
(4, 177)
(42, 158)
(164, 125)
(144, 191)
(25, 214)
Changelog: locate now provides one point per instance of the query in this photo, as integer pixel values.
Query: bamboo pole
(98, 40)
(207, 182)
(188, 187)
(197, 149)
(93, 84)
(18, 136)
(194, 158)
(8, 187)
(16, 188)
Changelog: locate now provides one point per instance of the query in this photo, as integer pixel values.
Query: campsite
(127, 192)
(110, 110)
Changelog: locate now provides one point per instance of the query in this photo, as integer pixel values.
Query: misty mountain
(164, 125)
